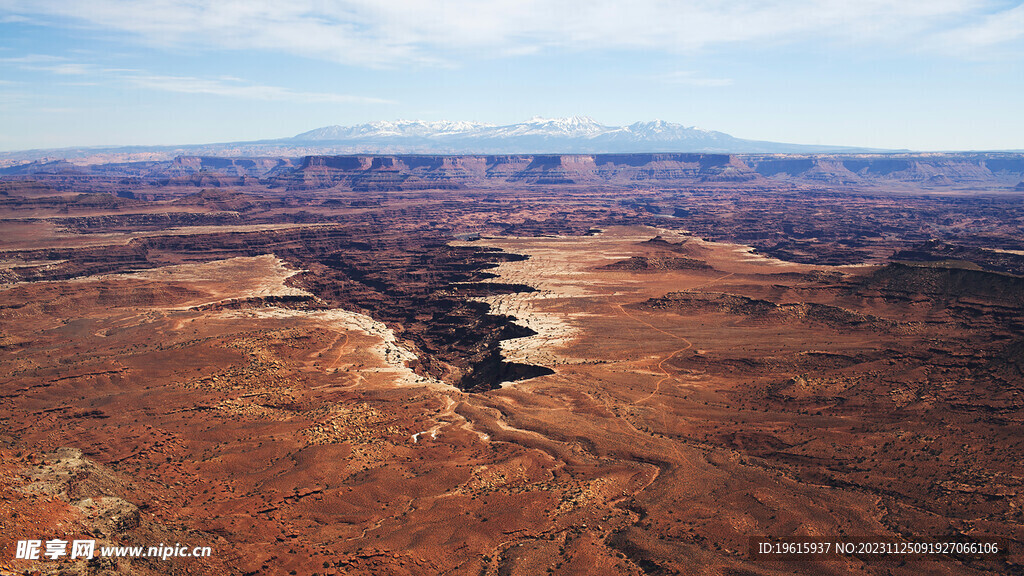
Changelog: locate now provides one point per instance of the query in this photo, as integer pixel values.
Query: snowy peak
(656, 127)
(574, 134)
(397, 128)
(418, 128)
(659, 130)
(575, 126)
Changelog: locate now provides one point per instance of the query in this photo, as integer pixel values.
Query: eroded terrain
(546, 378)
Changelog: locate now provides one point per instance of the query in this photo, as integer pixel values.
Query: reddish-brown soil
(354, 382)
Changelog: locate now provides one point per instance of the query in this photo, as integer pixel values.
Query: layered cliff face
(252, 167)
(411, 172)
(929, 169)
(368, 172)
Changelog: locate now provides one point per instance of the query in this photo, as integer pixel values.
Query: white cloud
(227, 86)
(70, 69)
(32, 59)
(234, 88)
(47, 63)
(376, 33)
(998, 28)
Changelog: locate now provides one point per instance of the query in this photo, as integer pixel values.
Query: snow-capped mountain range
(397, 128)
(575, 134)
(572, 135)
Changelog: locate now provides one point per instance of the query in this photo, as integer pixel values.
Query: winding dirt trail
(661, 364)
(341, 350)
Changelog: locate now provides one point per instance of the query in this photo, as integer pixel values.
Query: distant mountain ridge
(390, 129)
(572, 135)
(575, 134)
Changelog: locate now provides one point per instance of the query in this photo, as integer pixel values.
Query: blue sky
(926, 75)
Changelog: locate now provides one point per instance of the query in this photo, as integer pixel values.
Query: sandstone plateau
(513, 364)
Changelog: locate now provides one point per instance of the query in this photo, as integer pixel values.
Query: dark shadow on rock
(513, 371)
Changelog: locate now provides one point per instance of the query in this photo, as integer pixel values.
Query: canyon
(513, 364)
